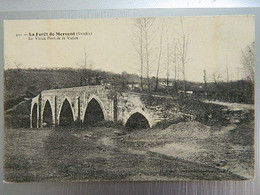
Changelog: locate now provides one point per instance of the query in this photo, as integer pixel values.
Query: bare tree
(248, 61)
(175, 62)
(182, 48)
(17, 66)
(139, 23)
(214, 76)
(227, 70)
(6, 63)
(148, 23)
(159, 61)
(168, 63)
(18, 70)
(205, 83)
(6, 66)
(85, 65)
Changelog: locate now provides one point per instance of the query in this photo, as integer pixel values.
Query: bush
(17, 121)
(166, 123)
(208, 114)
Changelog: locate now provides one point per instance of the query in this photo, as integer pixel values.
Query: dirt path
(24, 159)
(96, 154)
(233, 106)
(228, 148)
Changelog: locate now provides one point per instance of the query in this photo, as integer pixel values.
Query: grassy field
(99, 153)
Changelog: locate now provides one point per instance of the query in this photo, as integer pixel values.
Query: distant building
(164, 83)
(200, 91)
(133, 85)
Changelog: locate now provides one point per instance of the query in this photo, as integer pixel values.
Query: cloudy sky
(214, 43)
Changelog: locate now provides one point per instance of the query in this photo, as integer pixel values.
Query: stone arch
(137, 121)
(101, 104)
(34, 116)
(141, 115)
(93, 112)
(47, 115)
(66, 114)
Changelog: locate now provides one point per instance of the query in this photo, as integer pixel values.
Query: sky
(214, 43)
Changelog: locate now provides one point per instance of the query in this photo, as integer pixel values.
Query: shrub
(17, 121)
(166, 123)
(208, 114)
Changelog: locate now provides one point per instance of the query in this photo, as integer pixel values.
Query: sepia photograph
(129, 99)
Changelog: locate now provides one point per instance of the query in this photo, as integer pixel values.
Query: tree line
(159, 50)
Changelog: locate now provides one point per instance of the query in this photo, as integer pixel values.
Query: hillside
(19, 81)
(23, 84)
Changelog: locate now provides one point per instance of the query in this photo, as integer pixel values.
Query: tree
(214, 77)
(175, 69)
(139, 23)
(248, 61)
(148, 23)
(205, 83)
(6, 66)
(85, 65)
(159, 61)
(182, 47)
(227, 70)
(144, 38)
(168, 63)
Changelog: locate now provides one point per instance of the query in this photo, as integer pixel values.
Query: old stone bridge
(92, 104)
